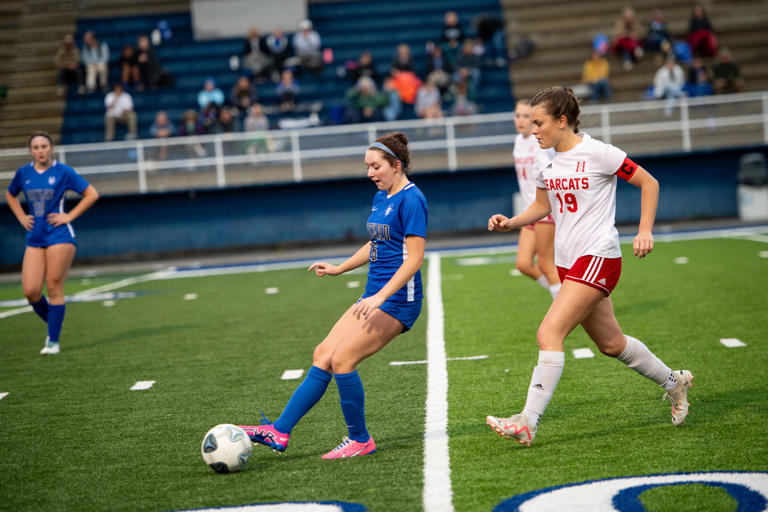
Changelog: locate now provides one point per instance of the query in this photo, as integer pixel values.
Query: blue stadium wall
(693, 186)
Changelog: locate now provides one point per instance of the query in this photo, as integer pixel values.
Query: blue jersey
(392, 219)
(45, 194)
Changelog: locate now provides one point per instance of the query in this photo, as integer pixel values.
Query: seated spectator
(67, 62)
(468, 65)
(626, 38)
(255, 59)
(391, 111)
(701, 35)
(699, 82)
(363, 67)
(190, 125)
(403, 61)
(209, 118)
(287, 89)
(490, 31)
(365, 102)
(727, 73)
(129, 71)
(226, 122)
(95, 57)
(451, 35)
(657, 40)
(149, 70)
(256, 122)
(210, 94)
(407, 84)
(439, 70)
(162, 128)
(306, 45)
(463, 100)
(242, 95)
(595, 74)
(668, 83)
(428, 101)
(278, 49)
(119, 108)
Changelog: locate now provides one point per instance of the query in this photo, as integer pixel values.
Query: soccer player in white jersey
(391, 303)
(50, 236)
(537, 240)
(579, 188)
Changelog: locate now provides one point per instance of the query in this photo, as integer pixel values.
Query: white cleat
(679, 396)
(516, 427)
(51, 348)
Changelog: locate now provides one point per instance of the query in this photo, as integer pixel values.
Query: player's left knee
(612, 348)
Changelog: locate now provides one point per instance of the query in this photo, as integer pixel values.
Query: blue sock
(311, 389)
(55, 319)
(41, 308)
(352, 399)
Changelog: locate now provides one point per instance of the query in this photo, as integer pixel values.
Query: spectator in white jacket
(306, 45)
(668, 83)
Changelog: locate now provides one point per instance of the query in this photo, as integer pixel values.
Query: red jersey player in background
(537, 240)
(579, 188)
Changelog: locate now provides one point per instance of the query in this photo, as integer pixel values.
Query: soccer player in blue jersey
(50, 237)
(397, 228)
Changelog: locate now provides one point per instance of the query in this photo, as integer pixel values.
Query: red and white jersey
(581, 184)
(526, 152)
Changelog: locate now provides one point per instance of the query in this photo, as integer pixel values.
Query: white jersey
(581, 184)
(528, 155)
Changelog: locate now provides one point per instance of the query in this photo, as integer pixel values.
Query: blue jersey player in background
(397, 229)
(50, 237)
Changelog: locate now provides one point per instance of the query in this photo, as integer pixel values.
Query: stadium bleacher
(347, 27)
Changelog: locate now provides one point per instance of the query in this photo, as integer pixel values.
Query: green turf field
(74, 437)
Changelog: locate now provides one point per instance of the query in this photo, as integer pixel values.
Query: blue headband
(379, 145)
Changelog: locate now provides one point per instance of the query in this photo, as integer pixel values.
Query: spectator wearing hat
(210, 94)
(306, 45)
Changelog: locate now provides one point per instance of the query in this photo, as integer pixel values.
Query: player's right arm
(538, 209)
(358, 259)
(28, 221)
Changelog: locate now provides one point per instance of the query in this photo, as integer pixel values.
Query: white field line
(467, 358)
(438, 494)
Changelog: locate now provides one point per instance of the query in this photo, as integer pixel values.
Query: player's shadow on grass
(137, 333)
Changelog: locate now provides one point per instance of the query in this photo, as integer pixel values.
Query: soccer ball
(226, 448)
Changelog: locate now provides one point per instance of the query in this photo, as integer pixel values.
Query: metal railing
(237, 159)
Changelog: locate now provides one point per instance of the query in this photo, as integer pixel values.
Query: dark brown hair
(559, 101)
(39, 134)
(398, 143)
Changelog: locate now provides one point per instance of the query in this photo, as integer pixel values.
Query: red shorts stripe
(595, 271)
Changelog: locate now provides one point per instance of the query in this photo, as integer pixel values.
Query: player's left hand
(58, 219)
(366, 306)
(643, 244)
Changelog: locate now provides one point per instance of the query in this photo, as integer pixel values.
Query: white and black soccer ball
(226, 448)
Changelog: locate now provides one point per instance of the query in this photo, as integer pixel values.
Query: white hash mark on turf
(292, 374)
(271, 290)
(764, 254)
(142, 384)
(190, 296)
(515, 272)
(353, 284)
(582, 353)
(3, 395)
(732, 342)
(109, 303)
(438, 495)
(682, 260)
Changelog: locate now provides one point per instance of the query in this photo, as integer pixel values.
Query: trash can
(753, 187)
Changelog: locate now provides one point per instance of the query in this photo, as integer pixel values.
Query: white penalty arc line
(438, 494)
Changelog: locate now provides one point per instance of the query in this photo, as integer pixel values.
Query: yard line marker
(3, 395)
(466, 358)
(271, 290)
(438, 494)
(582, 353)
(109, 303)
(515, 272)
(682, 260)
(142, 384)
(732, 342)
(190, 296)
(353, 284)
(292, 374)
(764, 254)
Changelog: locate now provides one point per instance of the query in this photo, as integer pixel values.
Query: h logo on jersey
(51, 180)
(581, 166)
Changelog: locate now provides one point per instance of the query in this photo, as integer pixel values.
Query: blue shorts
(59, 235)
(405, 312)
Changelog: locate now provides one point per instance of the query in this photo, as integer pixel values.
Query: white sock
(543, 281)
(543, 382)
(554, 289)
(639, 357)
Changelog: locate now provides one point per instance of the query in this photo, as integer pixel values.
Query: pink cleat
(268, 435)
(350, 448)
